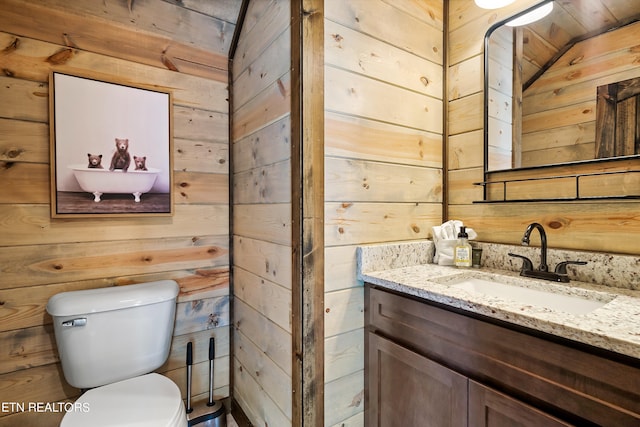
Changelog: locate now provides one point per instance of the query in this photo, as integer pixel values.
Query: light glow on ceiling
(533, 16)
(493, 4)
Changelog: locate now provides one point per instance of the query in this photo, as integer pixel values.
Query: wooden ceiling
(571, 21)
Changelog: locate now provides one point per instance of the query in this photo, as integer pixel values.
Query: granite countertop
(406, 268)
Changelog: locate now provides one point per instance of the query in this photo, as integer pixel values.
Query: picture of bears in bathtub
(125, 133)
(121, 158)
(127, 175)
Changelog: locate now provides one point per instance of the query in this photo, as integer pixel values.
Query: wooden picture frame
(111, 148)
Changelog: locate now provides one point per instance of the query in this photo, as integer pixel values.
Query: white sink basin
(541, 298)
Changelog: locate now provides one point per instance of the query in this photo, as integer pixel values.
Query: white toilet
(109, 339)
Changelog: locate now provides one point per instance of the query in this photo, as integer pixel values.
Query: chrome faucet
(559, 275)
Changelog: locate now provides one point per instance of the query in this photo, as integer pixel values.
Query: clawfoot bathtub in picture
(101, 181)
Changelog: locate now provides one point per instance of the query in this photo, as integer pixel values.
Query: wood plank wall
(170, 45)
(262, 217)
(383, 161)
(500, 108)
(559, 109)
(608, 226)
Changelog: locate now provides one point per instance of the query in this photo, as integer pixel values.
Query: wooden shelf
(535, 186)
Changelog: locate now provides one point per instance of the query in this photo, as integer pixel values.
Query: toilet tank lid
(113, 298)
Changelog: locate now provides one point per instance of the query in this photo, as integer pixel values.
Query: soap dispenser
(462, 252)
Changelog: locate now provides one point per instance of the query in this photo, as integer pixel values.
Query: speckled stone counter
(406, 268)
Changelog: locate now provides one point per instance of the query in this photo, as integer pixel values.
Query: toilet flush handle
(80, 321)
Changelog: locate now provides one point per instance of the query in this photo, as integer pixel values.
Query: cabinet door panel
(406, 389)
(489, 408)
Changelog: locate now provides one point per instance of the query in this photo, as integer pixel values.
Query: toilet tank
(110, 334)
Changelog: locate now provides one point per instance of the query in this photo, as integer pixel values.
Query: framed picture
(111, 147)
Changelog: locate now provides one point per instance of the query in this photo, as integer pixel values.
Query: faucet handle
(527, 265)
(561, 268)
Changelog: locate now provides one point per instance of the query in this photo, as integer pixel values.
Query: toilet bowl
(151, 400)
(110, 341)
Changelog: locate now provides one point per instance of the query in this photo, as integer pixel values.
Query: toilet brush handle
(189, 367)
(212, 355)
(189, 353)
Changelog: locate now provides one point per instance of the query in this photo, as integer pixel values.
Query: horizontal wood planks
(150, 33)
(262, 215)
(383, 162)
(41, 256)
(608, 226)
(563, 100)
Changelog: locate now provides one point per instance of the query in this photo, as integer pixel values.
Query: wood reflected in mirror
(618, 119)
(545, 112)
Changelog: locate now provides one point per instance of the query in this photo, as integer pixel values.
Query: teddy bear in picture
(95, 161)
(121, 158)
(140, 162)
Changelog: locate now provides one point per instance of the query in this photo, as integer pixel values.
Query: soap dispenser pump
(462, 252)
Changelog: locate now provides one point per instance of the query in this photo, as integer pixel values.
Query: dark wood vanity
(427, 364)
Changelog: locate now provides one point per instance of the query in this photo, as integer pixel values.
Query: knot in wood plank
(13, 46)
(61, 57)
(14, 152)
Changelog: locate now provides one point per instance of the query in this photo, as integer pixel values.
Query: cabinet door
(405, 389)
(489, 408)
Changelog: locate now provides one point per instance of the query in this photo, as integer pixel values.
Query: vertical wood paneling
(41, 256)
(383, 161)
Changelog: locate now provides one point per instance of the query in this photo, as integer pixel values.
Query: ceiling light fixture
(493, 4)
(533, 16)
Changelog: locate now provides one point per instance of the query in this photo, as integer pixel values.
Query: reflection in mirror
(542, 83)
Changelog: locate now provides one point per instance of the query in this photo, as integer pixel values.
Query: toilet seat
(151, 400)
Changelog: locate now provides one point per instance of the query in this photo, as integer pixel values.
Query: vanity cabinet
(429, 365)
(407, 389)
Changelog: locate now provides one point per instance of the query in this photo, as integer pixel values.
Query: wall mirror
(542, 83)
